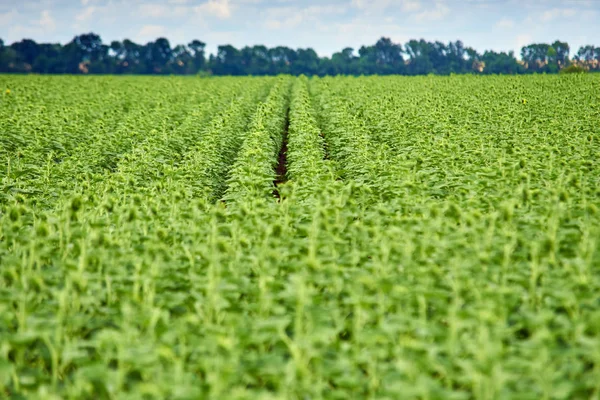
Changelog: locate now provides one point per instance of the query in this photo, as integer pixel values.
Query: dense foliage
(431, 237)
(87, 54)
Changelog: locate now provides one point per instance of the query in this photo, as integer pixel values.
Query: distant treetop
(87, 54)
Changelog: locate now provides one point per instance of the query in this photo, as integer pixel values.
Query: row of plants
(208, 164)
(307, 164)
(98, 147)
(253, 172)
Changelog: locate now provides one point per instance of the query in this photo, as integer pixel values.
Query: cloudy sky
(325, 25)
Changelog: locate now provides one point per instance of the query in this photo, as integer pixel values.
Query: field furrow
(208, 164)
(253, 173)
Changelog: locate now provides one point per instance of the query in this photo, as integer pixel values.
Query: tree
(500, 63)
(589, 57)
(27, 51)
(437, 55)
(50, 59)
(419, 57)
(157, 56)
(307, 62)
(474, 61)
(388, 56)
(281, 59)
(87, 54)
(182, 60)
(385, 57)
(256, 60)
(344, 62)
(561, 53)
(227, 61)
(132, 62)
(8, 57)
(197, 51)
(457, 58)
(536, 57)
(90, 46)
(367, 56)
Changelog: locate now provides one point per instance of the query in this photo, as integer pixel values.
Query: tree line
(87, 54)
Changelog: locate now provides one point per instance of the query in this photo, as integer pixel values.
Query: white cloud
(7, 17)
(306, 23)
(291, 22)
(152, 10)
(254, 2)
(356, 33)
(33, 29)
(218, 8)
(291, 17)
(46, 22)
(322, 10)
(505, 23)
(85, 14)
(150, 32)
(523, 40)
(162, 11)
(438, 12)
(379, 6)
(411, 5)
(370, 6)
(359, 4)
(555, 13)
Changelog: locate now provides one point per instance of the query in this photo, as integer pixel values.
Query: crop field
(300, 238)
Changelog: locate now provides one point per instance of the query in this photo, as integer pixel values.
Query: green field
(294, 238)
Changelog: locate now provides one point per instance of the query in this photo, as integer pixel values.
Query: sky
(325, 25)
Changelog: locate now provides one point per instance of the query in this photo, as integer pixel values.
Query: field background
(278, 237)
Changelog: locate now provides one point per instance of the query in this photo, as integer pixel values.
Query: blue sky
(326, 25)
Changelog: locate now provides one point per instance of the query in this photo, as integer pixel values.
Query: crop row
(306, 157)
(149, 127)
(253, 173)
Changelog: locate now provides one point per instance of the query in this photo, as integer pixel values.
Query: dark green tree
(306, 62)
(419, 62)
(500, 63)
(589, 57)
(345, 62)
(197, 51)
(561, 53)
(182, 61)
(536, 57)
(87, 54)
(26, 52)
(158, 55)
(227, 61)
